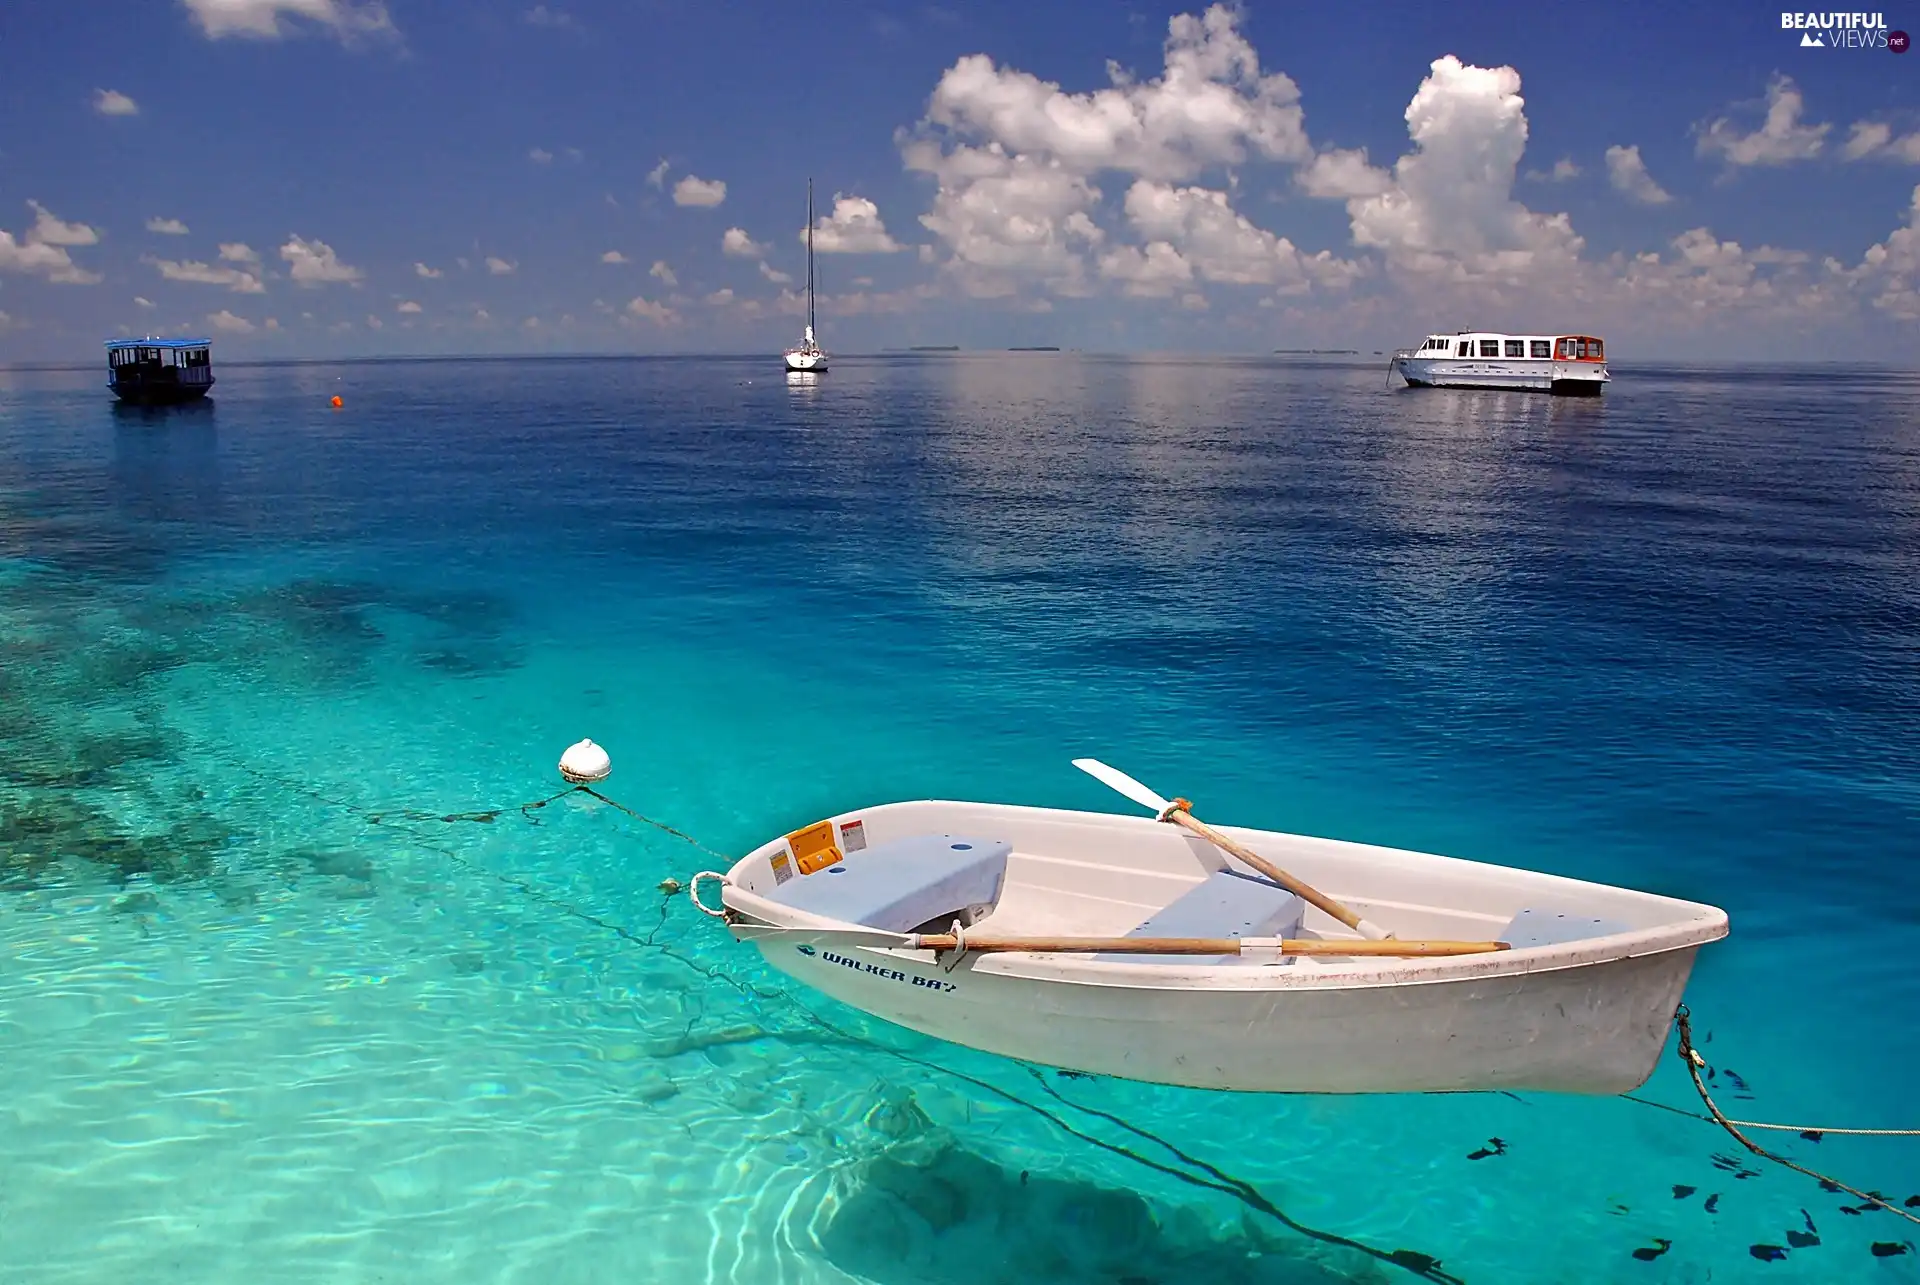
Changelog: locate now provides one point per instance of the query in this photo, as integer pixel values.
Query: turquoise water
(264, 1014)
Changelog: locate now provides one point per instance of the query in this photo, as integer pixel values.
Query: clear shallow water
(257, 1016)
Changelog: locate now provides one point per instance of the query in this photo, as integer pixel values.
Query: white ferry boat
(1478, 359)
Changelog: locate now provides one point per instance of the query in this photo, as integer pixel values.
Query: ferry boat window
(1596, 350)
(1489, 347)
(1565, 350)
(1516, 348)
(1541, 348)
(1466, 348)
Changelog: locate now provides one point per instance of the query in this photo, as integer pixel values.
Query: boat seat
(901, 884)
(1226, 904)
(1533, 927)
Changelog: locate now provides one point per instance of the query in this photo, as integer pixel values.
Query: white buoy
(584, 762)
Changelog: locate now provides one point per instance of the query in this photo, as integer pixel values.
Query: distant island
(935, 348)
(1316, 352)
(1037, 348)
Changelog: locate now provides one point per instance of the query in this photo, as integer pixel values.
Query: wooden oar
(1180, 812)
(972, 942)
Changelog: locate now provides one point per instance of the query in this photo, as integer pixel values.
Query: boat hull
(1595, 1029)
(1586, 1012)
(160, 394)
(806, 363)
(1564, 378)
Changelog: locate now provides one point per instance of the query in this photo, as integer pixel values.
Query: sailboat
(809, 356)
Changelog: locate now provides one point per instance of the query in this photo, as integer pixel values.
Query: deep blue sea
(292, 990)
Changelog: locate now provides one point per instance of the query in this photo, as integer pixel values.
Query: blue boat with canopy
(159, 372)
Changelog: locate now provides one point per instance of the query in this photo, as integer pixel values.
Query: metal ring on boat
(693, 893)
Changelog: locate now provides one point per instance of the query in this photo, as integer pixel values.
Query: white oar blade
(1113, 778)
(798, 936)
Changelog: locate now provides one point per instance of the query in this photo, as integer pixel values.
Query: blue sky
(336, 177)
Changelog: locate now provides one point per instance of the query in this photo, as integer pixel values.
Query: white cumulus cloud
(500, 267)
(315, 263)
(238, 280)
(1016, 157)
(228, 323)
(1875, 140)
(1447, 206)
(111, 102)
(167, 227)
(657, 176)
(43, 249)
(272, 19)
(854, 227)
(614, 256)
(1210, 105)
(422, 270)
(774, 274)
(409, 307)
(661, 272)
(238, 252)
(1628, 174)
(49, 229)
(540, 156)
(737, 243)
(701, 192)
(1890, 270)
(1342, 175)
(1223, 246)
(647, 310)
(1781, 139)
(1563, 170)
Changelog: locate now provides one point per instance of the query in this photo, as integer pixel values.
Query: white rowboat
(1579, 1002)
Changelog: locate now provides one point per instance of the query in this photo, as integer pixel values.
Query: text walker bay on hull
(809, 357)
(1566, 364)
(1167, 951)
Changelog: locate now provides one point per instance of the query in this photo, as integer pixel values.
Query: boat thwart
(1133, 947)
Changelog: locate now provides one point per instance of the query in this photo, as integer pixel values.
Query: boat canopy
(159, 352)
(169, 345)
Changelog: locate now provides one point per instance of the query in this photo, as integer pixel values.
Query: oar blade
(1114, 779)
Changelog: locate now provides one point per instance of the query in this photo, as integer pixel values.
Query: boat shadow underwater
(929, 1211)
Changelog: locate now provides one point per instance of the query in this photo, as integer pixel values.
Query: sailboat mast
(809, 257)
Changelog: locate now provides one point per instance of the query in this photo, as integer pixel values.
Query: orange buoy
(337, 403)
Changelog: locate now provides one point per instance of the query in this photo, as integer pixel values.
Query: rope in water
(1425, 1266)
(1691, 1056)
(1802, 1129)
(1419, 1264)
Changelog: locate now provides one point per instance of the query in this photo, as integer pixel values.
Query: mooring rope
(1422, 1265)
(1801, 1129)
(1691, 1056)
